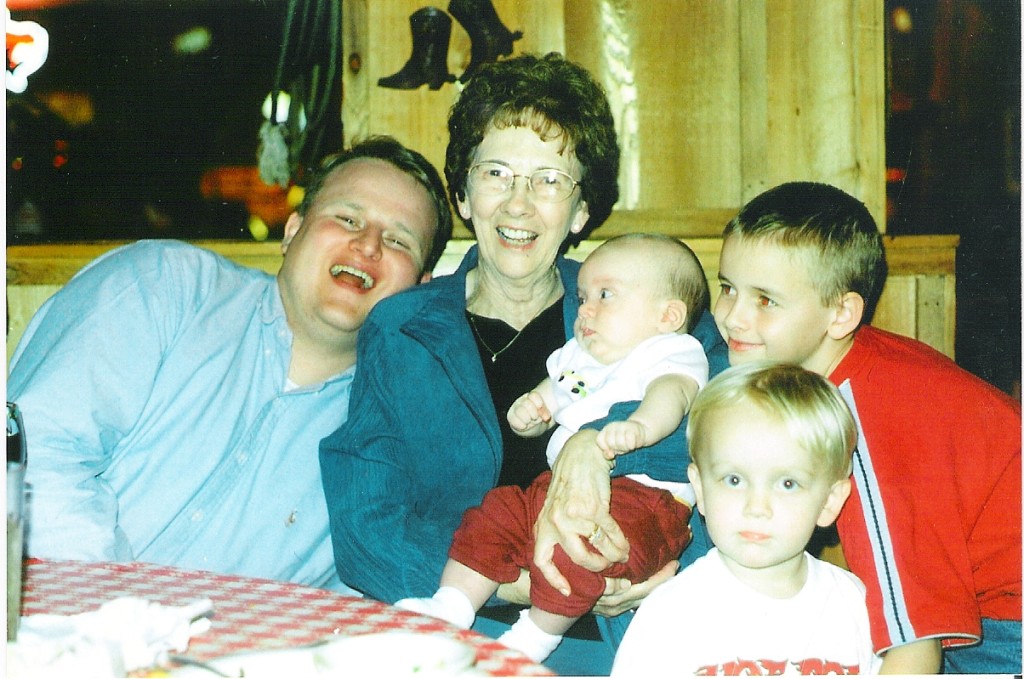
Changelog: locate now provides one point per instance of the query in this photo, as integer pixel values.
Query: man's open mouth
(364, 279)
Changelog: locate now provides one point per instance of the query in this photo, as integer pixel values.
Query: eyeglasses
(548, 186)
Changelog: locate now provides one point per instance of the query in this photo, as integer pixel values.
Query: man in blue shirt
(174, 401)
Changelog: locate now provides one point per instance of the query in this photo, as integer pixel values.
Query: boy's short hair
(686, 278)
(808, 404)
(832, 228)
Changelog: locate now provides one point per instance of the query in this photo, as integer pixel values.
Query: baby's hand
(622, 437)
(528, 412)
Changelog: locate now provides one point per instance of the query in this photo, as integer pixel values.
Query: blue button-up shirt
(160, 424)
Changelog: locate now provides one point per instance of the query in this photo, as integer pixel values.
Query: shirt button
(198, 515)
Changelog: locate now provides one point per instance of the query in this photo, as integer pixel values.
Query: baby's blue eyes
(602, 294)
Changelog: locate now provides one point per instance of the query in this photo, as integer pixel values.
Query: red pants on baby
(496, 539)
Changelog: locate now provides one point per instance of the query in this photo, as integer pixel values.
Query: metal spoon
(185, 660)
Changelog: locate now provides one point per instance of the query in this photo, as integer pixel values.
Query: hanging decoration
(490, 39)
(292, 135)
(428, 64)
(431, 31)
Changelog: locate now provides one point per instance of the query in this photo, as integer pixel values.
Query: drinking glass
(16, 458)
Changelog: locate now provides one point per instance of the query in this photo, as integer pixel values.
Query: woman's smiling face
(518, 235)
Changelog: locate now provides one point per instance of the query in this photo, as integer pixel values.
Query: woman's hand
(620, 595)
(576, 511)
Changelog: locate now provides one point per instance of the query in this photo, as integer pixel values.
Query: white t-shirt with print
(705, 621)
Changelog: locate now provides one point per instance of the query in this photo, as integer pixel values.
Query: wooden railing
(919, 298)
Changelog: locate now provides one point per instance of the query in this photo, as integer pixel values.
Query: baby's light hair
(826, 228)
(684, 276)
(812, 409)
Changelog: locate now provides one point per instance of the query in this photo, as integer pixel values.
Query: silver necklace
(494, 354)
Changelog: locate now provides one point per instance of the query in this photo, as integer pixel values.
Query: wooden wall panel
(896, 312)
(825, 92)
(868, 36)
(936, 309)
(753, 83)
(671, 70)
(718, 101)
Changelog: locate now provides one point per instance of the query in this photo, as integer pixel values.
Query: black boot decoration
(431, 30)
(490, 38)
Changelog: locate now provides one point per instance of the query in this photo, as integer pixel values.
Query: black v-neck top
(518, 369)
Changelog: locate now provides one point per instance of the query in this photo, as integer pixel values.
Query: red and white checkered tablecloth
(248, 613)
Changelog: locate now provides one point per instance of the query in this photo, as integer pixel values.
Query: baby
(771, 447)
(639, 295)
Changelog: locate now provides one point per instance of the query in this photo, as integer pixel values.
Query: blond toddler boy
(771, 447)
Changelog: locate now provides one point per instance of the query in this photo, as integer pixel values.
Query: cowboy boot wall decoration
(490, 39)
(431, 30)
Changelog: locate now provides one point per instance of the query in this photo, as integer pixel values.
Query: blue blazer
(422, 442)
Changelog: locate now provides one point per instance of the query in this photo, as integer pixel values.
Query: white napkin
(121, 636)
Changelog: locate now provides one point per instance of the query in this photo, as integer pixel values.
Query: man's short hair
(811, 408)
(832, 229)
(412, 163)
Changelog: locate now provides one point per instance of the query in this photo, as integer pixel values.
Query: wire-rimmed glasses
(548, 186)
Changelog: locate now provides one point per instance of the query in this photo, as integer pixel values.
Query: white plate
(387, 654)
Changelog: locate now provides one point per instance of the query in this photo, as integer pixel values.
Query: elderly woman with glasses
(532, 166)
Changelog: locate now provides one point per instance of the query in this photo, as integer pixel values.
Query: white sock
(448, 603)
(531, 640)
